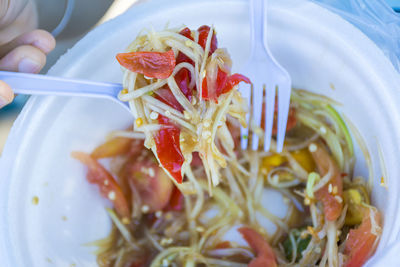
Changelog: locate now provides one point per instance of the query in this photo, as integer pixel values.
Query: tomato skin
(225, 83)
(168, 148)
(182, 78)
(175, 201)
(98, 175)
(264, 252)
(361, 242)
(150, 181)
(203, 34)
(323, 161)
(158, 65)
(234, 80)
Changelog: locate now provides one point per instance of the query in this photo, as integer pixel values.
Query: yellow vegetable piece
(304, 158)
(274, 160)
(354, 198)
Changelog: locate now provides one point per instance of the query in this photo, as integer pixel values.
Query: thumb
(6, 94)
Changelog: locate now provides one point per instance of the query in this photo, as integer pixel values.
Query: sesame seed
(166, 241)
(339, 199)
(106, 182)
(153, 115)
(200, 229)
(165, 263)
(124, 91)
(312, 147)
(158, 214)
(125, 220)
(111, 195)
(307, 201)
(330, 188)
(151, 172)
(322, 130)
(147, 78)
(145, 208)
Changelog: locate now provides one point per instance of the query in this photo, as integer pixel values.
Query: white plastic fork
(263, 70)
(37, 84)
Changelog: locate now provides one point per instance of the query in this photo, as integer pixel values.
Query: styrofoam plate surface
(322, 52)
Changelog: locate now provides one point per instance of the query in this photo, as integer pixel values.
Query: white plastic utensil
(264, 70)
(37, 84)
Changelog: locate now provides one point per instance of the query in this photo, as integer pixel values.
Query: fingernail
(28, 65)
(3, 102)
(44, 46)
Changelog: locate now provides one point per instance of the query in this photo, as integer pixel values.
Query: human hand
(22, 48)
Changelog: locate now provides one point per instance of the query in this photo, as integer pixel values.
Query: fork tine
(284, 91)
(269, 116)
(245, 91)
(257, 111)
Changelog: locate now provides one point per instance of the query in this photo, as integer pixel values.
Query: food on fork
(183, 95)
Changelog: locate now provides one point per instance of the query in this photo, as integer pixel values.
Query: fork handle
(37, 84)
(258, 20)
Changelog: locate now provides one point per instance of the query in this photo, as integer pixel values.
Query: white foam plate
(316, 46)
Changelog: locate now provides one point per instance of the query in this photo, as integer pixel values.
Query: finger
(10, 10)
(37, 38)
(6, 94)
(24, 58)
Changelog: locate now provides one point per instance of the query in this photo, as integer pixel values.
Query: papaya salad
(185, 194)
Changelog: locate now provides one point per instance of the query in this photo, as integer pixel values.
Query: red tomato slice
(165, 95)
(150, 181)
(332, 207)
(224, 84)
(234, 80)
(187, 33)
(265, 254)
(362, 241)
(203, 34)
(169, 150)
(176, 200)
(108, 186)
(151, 64)
(182, 79)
